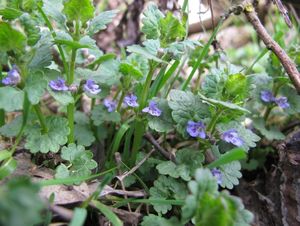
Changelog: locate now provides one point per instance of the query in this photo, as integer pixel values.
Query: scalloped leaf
(56, 136)
(11, 99)
(101, 115)
(186, 106)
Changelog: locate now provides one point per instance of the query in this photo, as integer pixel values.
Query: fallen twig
(123, 176)
(289, 66)
(165, 153)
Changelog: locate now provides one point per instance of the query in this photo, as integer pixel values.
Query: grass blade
(233, 155)
(110, 215)
(79, 217)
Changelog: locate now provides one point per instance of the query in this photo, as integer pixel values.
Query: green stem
(146, 88)
(267, 113)
(121, 101)
(2, 117)
(41, 118)
(212, 124)
(53, 34)
(203, 54)
(70, 80)
(197, 83)
(176, 76)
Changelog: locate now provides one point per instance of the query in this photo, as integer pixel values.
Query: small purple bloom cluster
(268, 97)
(13, 77)
(196, 129)
(58, 85)
(232, 136)
(111, 105)
(91, 87)
(217, 174)
(131, 100)
(152, 109)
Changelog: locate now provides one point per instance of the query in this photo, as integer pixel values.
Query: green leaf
(8, 167)
(207, 206)
(237, 86)
(53, 9)
(70, 43)
(246, 135)
(62, 171)
(79, 10)
(149, 51)
(164, 122)
(84, 135)
(64, 97)
(71, 152)
(107, 73)
(79, 217)
(223, 104)
(171, 169)
(19, 197)
(12, 128)
(272, 133)
(107, 212)
(171, 29)
(42, 53)
(177, 49)
(186, 106)
(167, 188)
(9, 13)
(31, 29)
(150, 22)
(191, 158)
(5, 154)
(81, 160)
(101, 59)
(232, 155)
(214, 84)
(11, 99)
(99, 22)
(293, 99)
(35, 86)
(101, 115)
(129, 69)
(230, 174)
(10, 39)
(153, 220)
(56, 136)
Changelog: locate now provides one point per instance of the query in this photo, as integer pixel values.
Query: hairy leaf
(99, 22)
(150, 22)
(11, 99)
(79, 10)
(186, 106)
(58, 130)
(10, 39)
(101, 115)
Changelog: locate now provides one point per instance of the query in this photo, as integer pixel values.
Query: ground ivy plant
(48, 51)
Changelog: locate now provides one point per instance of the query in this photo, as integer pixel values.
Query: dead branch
(287, 63)
(165, 153)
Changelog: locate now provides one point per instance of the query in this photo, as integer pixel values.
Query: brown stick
(287, 63)
(165, 153)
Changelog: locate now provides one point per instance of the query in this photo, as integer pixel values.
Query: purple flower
(217, 174)
(266, 96)
(110, 105)
(152, 109)
(196, 129)
(232, 136)
(58, 85)
(282, 102)
(91, 87)
(13, 77)
(131, 100)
